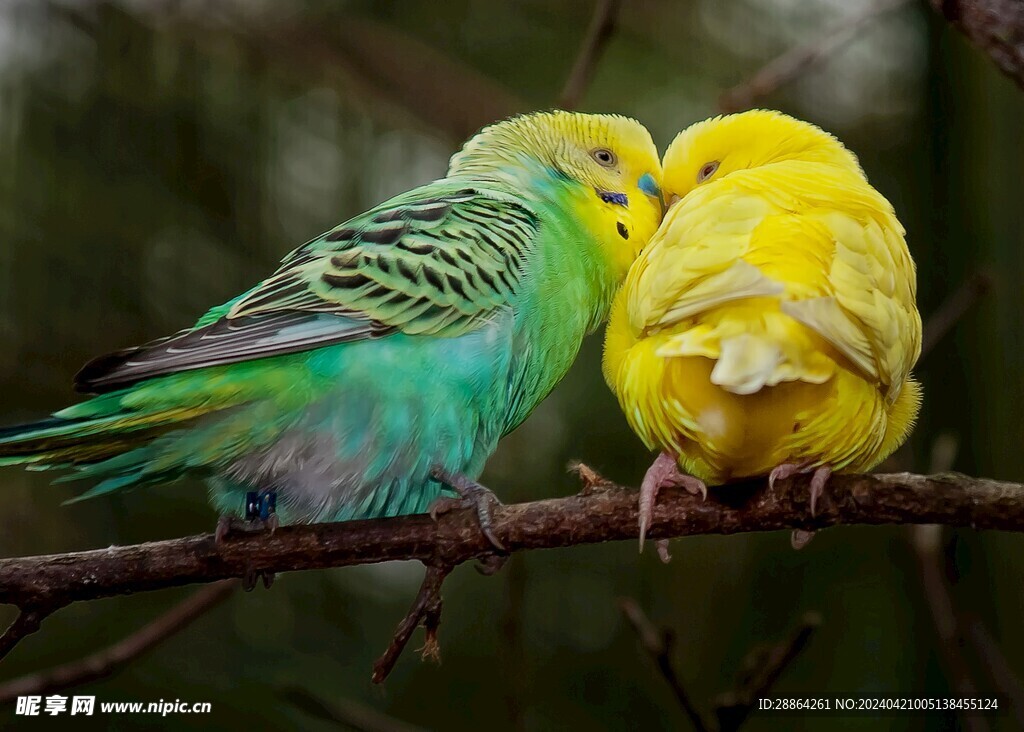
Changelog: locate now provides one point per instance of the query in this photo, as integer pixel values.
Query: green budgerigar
(378, 367)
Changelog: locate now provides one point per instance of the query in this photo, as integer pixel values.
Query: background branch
(795, 61)
(758, 673)
(658, 645)
(347, 713)
(111, 659)
(953, 310)
(599, 32)
(994, 26)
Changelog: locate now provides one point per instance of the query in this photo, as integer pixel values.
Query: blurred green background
(157, 157)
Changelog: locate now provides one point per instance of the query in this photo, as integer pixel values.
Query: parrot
(373, 373)
(770, 326)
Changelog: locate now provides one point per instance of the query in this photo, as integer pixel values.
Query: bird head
(612, 158)
(711, 150)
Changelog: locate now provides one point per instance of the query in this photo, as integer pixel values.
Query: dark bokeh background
(158, 157)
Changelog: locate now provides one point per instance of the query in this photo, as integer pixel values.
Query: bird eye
(706, 171)
(604, 156)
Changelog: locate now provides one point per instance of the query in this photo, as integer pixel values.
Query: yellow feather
(772, 317)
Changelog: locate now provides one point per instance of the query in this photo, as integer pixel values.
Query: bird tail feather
(71, 441)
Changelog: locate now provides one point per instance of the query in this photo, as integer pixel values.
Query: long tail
(100, 438)
(61, 442)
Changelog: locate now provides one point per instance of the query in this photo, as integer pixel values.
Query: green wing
(430, 265)
(435, 261)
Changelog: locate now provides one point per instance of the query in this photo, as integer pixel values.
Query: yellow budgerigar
(770, 326)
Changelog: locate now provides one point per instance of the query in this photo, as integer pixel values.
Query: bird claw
(663, 554)
(818, 480)
(471, 495)
(272, 523)
(799, 538)
(491, 564)
(225, 525)
(783, 472)
(260, 515)
(664, 473)
(251, 577)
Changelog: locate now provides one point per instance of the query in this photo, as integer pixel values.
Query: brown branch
(759, 671)
(927, 542)
(426, 609)
(409, 84)
(599, 32)
(658, 645)
(30, 617)
(953, 310)
(348, 713)
(109, 660)
(999, 671)
(605, 513)
(996, 27)
(797, 60)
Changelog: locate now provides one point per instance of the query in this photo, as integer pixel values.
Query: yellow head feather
(608, 155)
(712, 149)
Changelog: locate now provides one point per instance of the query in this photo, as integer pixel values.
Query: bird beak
(649, 185)
(673, 201)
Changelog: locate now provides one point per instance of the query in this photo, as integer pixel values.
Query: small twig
(426, 609)
(28, 621)
(346, 712)
(938, 325)
(996, 27)
(797, 60)
(928, 542)
(602, 24)
(953, 310)
(109, 660)
(759, 671)
(999, 671)
(658, 645)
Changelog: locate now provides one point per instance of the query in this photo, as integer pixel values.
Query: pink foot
(818, 480)
(663, 473)
(801, 537)
(663, 554)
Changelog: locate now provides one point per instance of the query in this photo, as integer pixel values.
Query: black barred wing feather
(422, 265)
(435, 261)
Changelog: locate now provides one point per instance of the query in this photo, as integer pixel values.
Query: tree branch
(790, 64)
(994, 26)
(928, 544)
(604, 513)
(347, 713)
(426, 608)
(598, 34)
(28, 621)
(106, 662)
(999, 672)
(953, 310)
(658, 644)
(759, 671)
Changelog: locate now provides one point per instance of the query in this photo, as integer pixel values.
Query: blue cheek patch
(619, 199)
(648, 185)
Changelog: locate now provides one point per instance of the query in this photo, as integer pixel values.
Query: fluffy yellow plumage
(770, 326)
